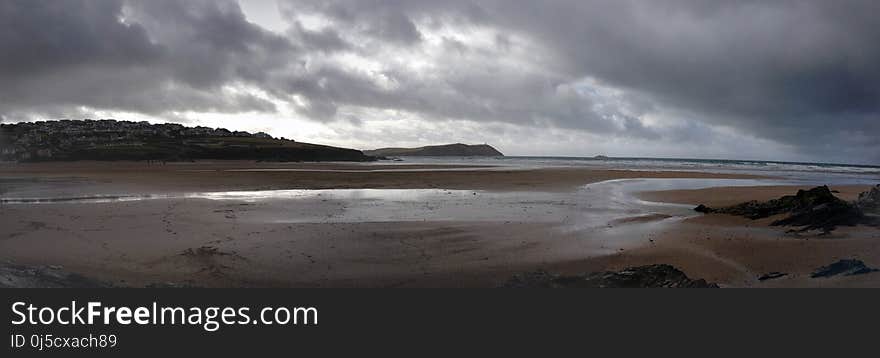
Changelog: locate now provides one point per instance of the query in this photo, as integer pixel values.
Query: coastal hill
(67, 140)
(457, 149)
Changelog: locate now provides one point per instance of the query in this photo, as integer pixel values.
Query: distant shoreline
(240, 175)
(702, 160)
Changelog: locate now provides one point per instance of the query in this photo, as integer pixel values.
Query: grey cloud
(145, 56)
(40, 36)
(384, 21)
(326, 40)
(212, 42)
(789, 71)
(797, 73)
(396, 27)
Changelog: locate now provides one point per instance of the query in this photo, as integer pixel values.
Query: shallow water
(590, 206)
(820, 173)
(607, 214)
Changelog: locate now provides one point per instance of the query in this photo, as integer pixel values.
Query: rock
(650, 276)
(18, 276)
(812, 209)
(704, 209)
(870, 200)
(847, 267)
(771, 275)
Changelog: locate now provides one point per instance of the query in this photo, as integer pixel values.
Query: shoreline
(136, 177)
(732, 195)
(236, 243)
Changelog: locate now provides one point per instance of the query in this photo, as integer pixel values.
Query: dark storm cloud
(40, 36)
(212, 42)
(792, 71)
(802, 74)
(326, 40)
(150, 57)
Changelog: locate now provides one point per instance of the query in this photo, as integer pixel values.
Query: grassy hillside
(112, 140)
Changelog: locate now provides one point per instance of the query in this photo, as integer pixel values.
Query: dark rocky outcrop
(846, 267)
(704, 209)
(17, 276)
(772, 275)
(650, 276)
(869, 201)
(804, 200)
(814, 209)
(447, 150)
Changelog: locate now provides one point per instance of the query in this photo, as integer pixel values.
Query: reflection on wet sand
(367, 237)
(592, 205)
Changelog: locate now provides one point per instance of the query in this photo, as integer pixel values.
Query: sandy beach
(400, 225)
(249, 175)
(736, 251)
(726, 196)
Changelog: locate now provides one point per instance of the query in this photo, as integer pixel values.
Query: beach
(250, 224)
(250, 175)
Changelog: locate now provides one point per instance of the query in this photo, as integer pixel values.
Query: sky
(767, 80)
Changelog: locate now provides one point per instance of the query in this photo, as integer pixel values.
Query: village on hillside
(45, 140)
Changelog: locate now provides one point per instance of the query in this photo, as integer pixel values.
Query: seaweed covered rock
(847, 267)
(772, 276)
(650, 276)
(804, 200)
(704, 209)
(814, 209)
(869, 201)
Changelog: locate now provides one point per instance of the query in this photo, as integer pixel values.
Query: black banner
(416, 322)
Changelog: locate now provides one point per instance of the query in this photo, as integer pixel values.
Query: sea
(796, 172)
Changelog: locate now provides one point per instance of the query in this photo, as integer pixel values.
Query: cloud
(40, 37)
(801, 73)
(793, 76)
(150, 57)
(797, 72)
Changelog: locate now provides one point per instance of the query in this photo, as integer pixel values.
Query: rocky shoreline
(814, 209)
(649, 276)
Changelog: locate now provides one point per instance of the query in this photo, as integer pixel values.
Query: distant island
(447, 150)
(108, 139)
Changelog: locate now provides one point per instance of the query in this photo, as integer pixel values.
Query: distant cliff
(67, 140)
(448, 150)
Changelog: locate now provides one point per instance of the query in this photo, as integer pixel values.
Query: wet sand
(234, 243)
(149, 242)
(249, 175)
(735, 251)
(726, 196)
(138, 243)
